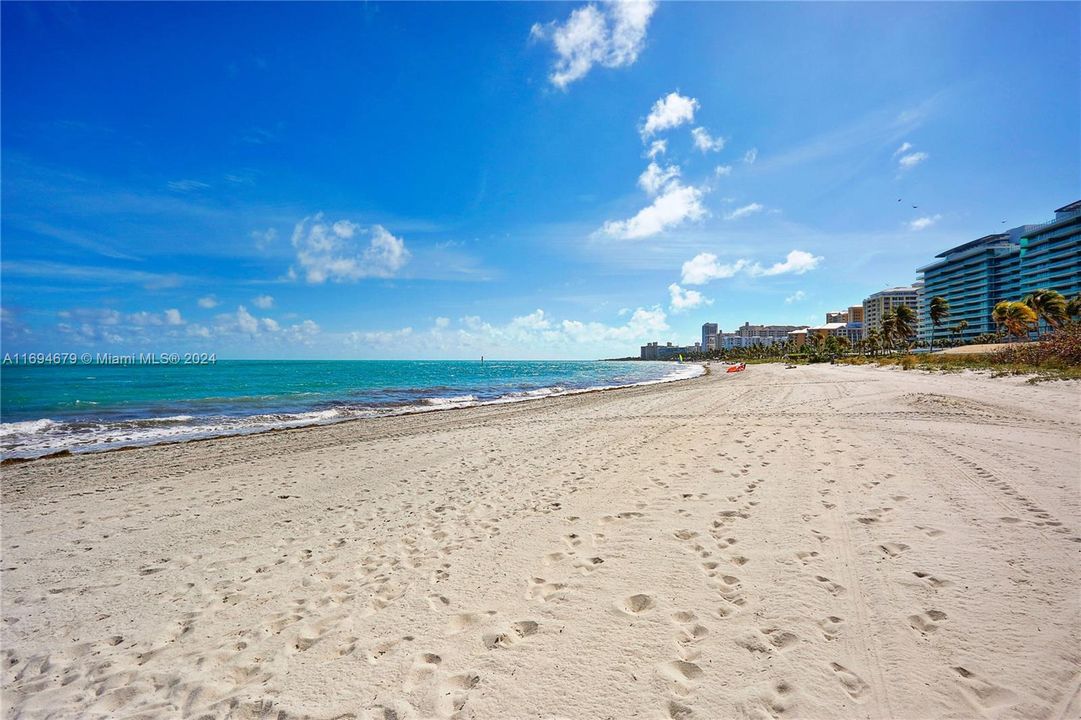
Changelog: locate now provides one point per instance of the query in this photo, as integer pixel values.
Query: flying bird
(914, 207)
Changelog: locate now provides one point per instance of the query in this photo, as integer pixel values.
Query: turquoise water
(83, 408)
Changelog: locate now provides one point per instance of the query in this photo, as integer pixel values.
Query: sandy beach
(821, 542)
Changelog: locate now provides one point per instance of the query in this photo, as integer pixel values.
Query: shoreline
(403, 412)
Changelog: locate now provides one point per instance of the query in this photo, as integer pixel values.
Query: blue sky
(449, 180)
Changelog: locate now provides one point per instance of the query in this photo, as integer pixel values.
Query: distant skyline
(518, 180)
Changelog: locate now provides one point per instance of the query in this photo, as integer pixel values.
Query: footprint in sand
(681, 674)
(780, 639)
(983, 694)
(541, 589)
(453, 692)
(588, 565)
(932, 580)
(636, 605)
(831, 626)
(927, 622)
(422, 671)
(893, 549)
(850, 681)
(832, 587)
(517, 632)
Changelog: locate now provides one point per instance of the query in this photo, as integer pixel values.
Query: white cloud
(172, 317)
(264, 238)
(912, 160)
(442, 322)
(750, 156)
(722, 170)
(681, 299)
(263, 302)
(703, 268)
(657, 147)
(610, 36)
(677, 204)
(270, 324)
(208, 302)
(705, 142)
(655, 178)
(795, 297)
(924, 222)
(534, 333)
(905, 147)
(329, 251)
(796, 262)
(246, 321)
(380, 338)
(670, 111)
(745, 211)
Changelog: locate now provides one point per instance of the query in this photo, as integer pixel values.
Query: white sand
(823, 542)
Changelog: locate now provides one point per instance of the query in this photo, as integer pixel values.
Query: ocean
(85, 408)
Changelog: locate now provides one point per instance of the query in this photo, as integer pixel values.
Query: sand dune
(823, 542)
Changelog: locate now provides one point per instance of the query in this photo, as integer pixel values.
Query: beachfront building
(668, 351)
(747, 335)
(1050, 254)
(876, 306)
(709, 336)
(977, 275)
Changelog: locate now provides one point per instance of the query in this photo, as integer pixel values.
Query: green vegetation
(1057, 356)
(939, 310)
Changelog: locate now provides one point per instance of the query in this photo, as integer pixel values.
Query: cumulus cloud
(243, 322)
(263, 302)
(796, 262)
(722, 170)
(675, 205)
(704, 267)
(795, 297)
(610, 35)
(172, 317)
(669, 112)
(655, 178)
(657, 147)
(246, 321)
(924, 222)
(208, 302)
(750, 156)
(905, 147)
(705, 142)
(442, 322)
(912, 160)
(681, 299)
(330, 251)
(744, 211)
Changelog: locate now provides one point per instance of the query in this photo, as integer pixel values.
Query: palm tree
(1049, 306)
(888, 327)
(903, 320)
(872, 341)
(939, 311)
(1017, 317)
(1073, 308)
(960, 327)
(998, 314)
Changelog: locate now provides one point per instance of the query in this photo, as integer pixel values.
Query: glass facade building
(979, 274)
